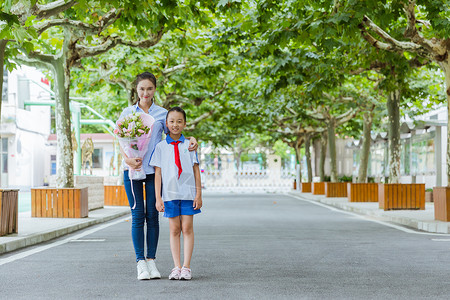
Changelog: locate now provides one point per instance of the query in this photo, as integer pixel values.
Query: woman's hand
(134, 163)
(193, 145)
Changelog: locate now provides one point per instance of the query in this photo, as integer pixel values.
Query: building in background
(24, 129)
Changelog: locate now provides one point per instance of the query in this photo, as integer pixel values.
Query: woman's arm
(134, 163)
(193, 145)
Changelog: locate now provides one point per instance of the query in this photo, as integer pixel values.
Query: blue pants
(143, 212)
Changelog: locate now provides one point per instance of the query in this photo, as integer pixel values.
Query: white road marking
(366, 218)
(58, 243)
(88, 240)
(441, 240)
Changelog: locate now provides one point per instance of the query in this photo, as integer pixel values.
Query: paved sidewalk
(32, 231)
(417, 219)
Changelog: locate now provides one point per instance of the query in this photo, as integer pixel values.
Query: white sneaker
(175, 274)
(186, 274)
(142, 270)
(154, 273)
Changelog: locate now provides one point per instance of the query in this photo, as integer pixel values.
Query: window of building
(5, 86)
(423, 154)
(4, 155)
(405, 157)
(53, 164)
(97, 158)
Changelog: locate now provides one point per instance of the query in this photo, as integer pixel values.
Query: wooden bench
(115, 195)
(401, 196)
(306, 187)
(59, 202)
(362, 192)
(9, 210)
(441, 198)
(318, 188)
(336, 189)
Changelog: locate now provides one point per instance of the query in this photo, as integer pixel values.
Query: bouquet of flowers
(134, 132)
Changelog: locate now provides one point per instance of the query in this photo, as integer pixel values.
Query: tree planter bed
(8, 211)
(441, 198)
(306, 187)
(59, 202)
(401, 196)
(115, 195)
(362, 192)
(318, 188)
(336, 189)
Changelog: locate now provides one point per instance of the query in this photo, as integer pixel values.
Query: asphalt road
(248, 246)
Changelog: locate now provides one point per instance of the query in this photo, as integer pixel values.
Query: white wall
(27, 130)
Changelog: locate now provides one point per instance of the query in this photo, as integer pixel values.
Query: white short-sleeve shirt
(174, 188)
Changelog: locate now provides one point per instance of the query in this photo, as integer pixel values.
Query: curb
(36, 238)
(437, 227)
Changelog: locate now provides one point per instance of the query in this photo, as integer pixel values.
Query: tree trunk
(445, 65)
(393, 108)
(332, 148)
(365, 149)
(308, 156)
(2, 59)
(323, 155)
(298, 147)
(237, 157)
(64, 158)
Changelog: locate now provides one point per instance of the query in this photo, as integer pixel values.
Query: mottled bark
(393, 108)
(365, 149)
(323, 155)
(64, 160)
(308, 156)
(298, 147)
(332, 148)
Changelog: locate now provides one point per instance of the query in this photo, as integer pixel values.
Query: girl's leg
(187, 227)
(137, 214)
(175, 233)
(152, 217)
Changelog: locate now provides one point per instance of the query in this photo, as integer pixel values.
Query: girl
(178, 171)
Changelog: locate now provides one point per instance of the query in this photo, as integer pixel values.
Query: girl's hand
(193, 145)
(198, 203)
(134, 163)
(159, 205)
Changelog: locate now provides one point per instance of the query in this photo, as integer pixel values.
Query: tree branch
(46, 58)
(345, 116)
(33, 62)
(195, 122)
(93, 29)
(51, 9)
(23, 10)
(394, 45)
(111, 42)
(167, 71)
(316, 116)
(433, 48)
(88, 28)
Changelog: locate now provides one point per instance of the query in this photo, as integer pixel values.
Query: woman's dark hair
(144, 76)
(178, 109)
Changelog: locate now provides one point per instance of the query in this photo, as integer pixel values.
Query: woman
(142, 212)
